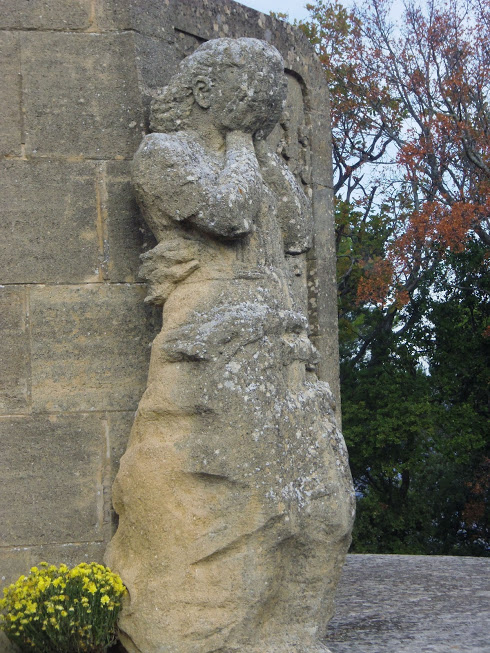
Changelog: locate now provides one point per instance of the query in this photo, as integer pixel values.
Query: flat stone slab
(416, 604)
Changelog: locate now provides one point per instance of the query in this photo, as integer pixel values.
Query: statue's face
(247, 99)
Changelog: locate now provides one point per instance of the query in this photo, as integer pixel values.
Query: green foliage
(61, 610)
(409, 106)
(416, 413)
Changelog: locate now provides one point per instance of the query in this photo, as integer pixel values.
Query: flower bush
(62, 610)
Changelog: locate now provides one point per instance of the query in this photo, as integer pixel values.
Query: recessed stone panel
(51, 479)
(158, 58)
(127, 233)
(14, 351)
(81, 95)
(10, 116)
(324, 227)
(328, 367)
(90, 347)
(120, 425)
(49, 228)
(45, 14)
(112, 14)
(321, 154)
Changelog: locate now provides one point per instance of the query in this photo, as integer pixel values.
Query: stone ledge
(412, 604)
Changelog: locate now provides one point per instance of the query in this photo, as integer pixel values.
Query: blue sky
(295, 8)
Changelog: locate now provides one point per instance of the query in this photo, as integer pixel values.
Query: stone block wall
(76, 79)
(74, 331)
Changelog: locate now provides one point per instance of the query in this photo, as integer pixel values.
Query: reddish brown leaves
(411, 127)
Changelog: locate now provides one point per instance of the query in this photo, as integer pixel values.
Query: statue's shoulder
(169, 150)
(167, 175)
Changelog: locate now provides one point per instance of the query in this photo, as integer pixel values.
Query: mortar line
(62, 413)
(101, 480)
(75, 284)
(28, 547)
(29, 337)
(92, 18)
(107, 482)
(65, 158)
(22, 109)
(102, 235)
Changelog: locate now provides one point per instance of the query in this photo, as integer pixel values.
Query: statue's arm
(172, 181)
(234, 199)
(294, 208)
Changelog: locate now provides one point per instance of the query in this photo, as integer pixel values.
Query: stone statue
(234, 496)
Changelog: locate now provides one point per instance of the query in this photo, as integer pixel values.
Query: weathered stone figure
(234, 495)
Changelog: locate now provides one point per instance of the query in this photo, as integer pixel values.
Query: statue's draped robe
(233, 488)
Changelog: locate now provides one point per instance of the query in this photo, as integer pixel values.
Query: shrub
(62, 610)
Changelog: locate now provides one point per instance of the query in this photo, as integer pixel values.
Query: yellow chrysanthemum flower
(49, 594)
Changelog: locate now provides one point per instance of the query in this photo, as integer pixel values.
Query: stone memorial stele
(234, 496)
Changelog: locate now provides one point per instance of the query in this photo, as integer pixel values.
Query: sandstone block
(51, 479)
(328, 367)
(219, 20)
(45, 14)
(10, 111)
(152, 19)
(321, 154)
(113, 14)
(127, 233)
(71, 554)
(324, 224)
(158, 57)
(14, 351)
(119, 428)
(14, 561)
(81, 95)
(120, 424)
(49, 229)
(90, 347)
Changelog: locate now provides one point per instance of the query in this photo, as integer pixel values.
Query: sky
(295, 8)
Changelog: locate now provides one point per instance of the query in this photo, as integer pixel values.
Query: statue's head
(240, 82)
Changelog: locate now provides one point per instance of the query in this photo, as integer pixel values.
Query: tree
(411, 127)
(412, 179)
(416, 422)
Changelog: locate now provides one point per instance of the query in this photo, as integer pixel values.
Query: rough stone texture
(53, 499)
(81, 361)
(71, 553)
(48, 233)
(120, 424)
(81, 95)
(128, 236)
(112, 15)
(234, 496)
(45, 14)
(412, 604)
(14, 350)
(10, 83)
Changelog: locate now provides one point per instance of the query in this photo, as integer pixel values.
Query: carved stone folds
(234, 496)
